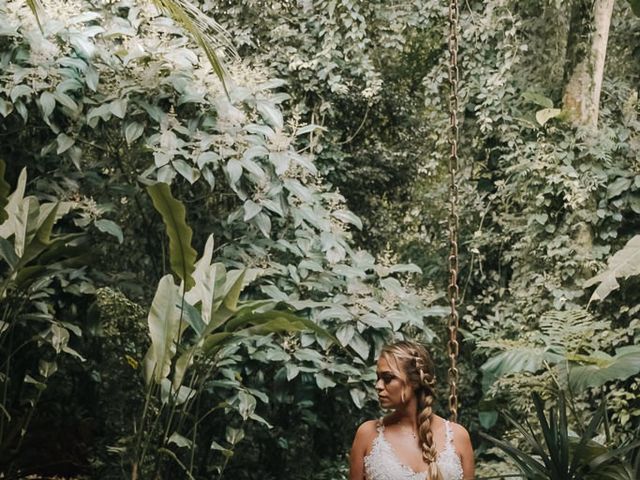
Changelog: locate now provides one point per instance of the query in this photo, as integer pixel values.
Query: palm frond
(35, 7)
(208, 34)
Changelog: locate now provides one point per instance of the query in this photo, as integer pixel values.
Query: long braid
(419, 368)
(429, 452)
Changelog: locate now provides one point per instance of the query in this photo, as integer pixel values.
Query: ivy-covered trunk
(582, 93)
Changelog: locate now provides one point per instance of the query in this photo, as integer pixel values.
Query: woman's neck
(407, 415)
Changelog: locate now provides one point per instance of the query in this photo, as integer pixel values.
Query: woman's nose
(379, 385)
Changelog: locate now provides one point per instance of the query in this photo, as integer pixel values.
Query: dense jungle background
(196, 276)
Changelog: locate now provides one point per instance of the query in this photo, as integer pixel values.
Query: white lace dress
(383, 464)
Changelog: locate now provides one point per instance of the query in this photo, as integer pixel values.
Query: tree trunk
(582, 93)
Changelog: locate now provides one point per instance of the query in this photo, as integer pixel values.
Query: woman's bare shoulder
(368, 428)
(459, 432)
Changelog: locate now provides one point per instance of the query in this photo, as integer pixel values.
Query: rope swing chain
(453, 221)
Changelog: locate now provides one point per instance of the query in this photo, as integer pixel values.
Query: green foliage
(625, 263)
(39, 267)
(181, 253)
(558, 454)
(331, 96)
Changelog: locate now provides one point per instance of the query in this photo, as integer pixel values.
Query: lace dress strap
(449, 432)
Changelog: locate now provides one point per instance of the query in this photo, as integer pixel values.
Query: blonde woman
(412, 442)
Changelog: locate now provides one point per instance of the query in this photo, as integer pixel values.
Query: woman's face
(391, 384)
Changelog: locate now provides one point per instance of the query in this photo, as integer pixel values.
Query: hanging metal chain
(453, 290)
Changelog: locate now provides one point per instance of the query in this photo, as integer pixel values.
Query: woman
(411, 443)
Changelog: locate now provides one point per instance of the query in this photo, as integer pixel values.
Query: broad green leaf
(180, 369)
(360, 345)
(164, 322)
(20, 91)
(42, 238)
(538, 99)
(25, 224)
(65, 142)
(181, 254)
(188, 172)
(348, 217)
(92, 77)
(8, 253)
(323, 381)
(291, 371)
(180, 441)
(214, 342)
(519, 359)
(132, 132)
(546, 114)
(7, 228)
(619, 186)
(623, 264)
(234, 435)
(635, 6)
(47, 103)
(119, 107)
(205, 284)
(5, 107)
(225, 451)
(345, 333)
(625, 364)
(234, 169)
(358, 396)
(246, 404)
(270, 113)
(236, 279)
(263, 221)
(110, 227)
(251, 209)
(175, 396)
(66, 101)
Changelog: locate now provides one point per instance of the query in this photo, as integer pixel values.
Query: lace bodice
(383, 464)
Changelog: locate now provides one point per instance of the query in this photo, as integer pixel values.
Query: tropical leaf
(181, 254)
(518, 359)
(624, 264)
(164, 325)
(635, 6)
(561, 456)
(603, 368)
(7, 228)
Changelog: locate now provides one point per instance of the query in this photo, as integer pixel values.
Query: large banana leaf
(601, 368)
(164, 325)
(182, 256)
(15, 200)
(625, 263)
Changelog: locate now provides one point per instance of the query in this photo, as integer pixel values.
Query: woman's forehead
(387, 363)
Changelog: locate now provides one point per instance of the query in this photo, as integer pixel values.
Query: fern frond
(570, 329)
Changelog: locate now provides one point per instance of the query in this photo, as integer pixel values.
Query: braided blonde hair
(416, 363)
